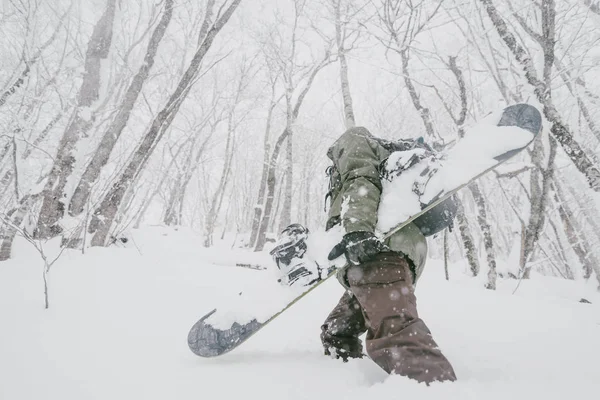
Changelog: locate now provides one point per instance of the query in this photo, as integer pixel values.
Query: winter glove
(358, 247)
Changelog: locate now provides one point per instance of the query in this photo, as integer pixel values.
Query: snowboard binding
(288, 254)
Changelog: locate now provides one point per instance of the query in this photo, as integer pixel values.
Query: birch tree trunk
(112, 134)
(217, 199)
(459, 121)
(467, 238)
(285, 218)
(340, 36)
(539, 199)
(271, 178)
(270, 193)
(104, 215)
(446, 255)
(488, 240)
(423, 111)
(260, 202)
(590, 260)
(53, 204)
(576, 237)
(9, 230)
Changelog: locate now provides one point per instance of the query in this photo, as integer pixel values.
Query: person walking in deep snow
(379, 277)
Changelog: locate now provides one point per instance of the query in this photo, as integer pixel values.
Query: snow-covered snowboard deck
(490, 143)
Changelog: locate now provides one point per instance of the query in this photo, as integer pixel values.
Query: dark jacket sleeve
(355, 156)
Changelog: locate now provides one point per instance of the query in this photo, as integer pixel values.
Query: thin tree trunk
(539, 198)
(467, 238)
(9, 232)
(587, 115)
(104, 215)
(459, 121)
(536, 213)
(306, 205)
(488, 241)
(277, 203)
(192, 168)
(285, 218)
(346, 95)
(562, 252)
(576, 235)
(260, 202)
(446, 254)
(266, 215)
(423, 111)
(270, 195)
(215, 205)
(558, 249)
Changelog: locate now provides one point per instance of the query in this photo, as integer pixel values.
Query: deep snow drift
(118, 320)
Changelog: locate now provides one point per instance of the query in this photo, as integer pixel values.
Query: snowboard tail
(207, 340)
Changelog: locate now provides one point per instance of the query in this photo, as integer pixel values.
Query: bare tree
(258, 207)
(217, 199)
(53, 206)
(539, 198)
(559, 129)
(488, 240)
(403, 22)
(32, 60)
(345, 37)
(106, 212)
(293, 73)
(113, 132)
(270, 182)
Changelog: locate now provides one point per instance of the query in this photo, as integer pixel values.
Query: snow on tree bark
(488, 240)
(9, 230)
(105, 213)
(285, 217)
(113, 132)
(292, 117)
(559, 129)
(346, 94)
(217, 199)
(260, 201)
(53, 203)
(467, 238)
(540, 180)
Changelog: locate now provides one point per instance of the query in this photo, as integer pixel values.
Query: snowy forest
(217, 115)
(151, 152)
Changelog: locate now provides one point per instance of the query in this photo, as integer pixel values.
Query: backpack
(439, 217)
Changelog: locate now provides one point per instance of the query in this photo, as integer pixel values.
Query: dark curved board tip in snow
(206, 341)
(524, 116)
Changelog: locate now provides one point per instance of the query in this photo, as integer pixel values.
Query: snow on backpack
(442, 215)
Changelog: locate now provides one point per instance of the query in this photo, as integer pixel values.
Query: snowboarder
(379, 277)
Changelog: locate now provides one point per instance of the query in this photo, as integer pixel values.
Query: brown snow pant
(382, 303)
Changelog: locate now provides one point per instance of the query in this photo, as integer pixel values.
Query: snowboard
(418, 186)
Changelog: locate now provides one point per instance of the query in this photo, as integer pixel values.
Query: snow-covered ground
(118, 321)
